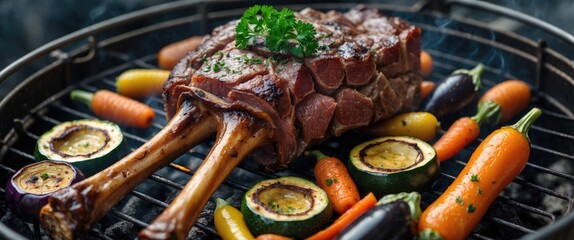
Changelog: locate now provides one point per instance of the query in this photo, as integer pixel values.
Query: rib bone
(238, 135)
(72, 212)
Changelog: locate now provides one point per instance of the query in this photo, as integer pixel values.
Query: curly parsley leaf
(279, 29)
(305, 33)
(248, 27)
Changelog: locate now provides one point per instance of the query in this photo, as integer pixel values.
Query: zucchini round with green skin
(90, 145)
(288, 206)
(393, 164)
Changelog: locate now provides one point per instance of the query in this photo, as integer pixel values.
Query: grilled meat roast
(271, 106)
(363, 72)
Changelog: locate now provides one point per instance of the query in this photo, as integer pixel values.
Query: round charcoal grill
(536, 205)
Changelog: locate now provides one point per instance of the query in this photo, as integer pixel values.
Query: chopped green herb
(373, 52)
(474, 178)
(247, 59)
(44, 176)
(281, 31)
(330, 181)
(203, 58)
(218, 66)
(382, 156)
(471, 208)
(479, 191)
(86, 145)
(459, 200)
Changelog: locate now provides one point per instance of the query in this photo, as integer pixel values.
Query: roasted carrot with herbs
(492, 166)
(116, 108)
(140, 83)
(333, 177)
(513, 96)
(426, 64)
(346, 218)
(426, 88)
(229, 222)
(464, 131)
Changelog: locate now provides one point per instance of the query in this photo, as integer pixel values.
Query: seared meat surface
(361, 73)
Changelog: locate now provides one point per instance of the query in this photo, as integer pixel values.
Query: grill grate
(517, 212)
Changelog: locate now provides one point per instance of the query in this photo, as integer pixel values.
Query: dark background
(28, 24)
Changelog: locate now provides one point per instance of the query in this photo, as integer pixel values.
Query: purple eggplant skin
(454, 92)
(27, 205)
(388, 221)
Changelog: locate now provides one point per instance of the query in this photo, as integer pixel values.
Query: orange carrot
(349, 216)
(170, 55)
(513, 96)
(271, 236)
(492, 166)
(117, 108)
(464, 131)
(333, 177)
(426, 88)
(426, 64)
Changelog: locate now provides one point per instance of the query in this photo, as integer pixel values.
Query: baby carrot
(426, 88)
(117, 108)
(426, 64)
(513, 96)
(170, 55)
(333, 177)
(271, 236)
(463, 131)
(492, 166)
(344, 220)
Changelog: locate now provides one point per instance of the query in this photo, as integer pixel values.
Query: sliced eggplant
(28, 190)
(91, 145)
(393, 164)
(394, 217)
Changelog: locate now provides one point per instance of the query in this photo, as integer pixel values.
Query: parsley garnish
(479, 191)
(471, 208)
(459, 200)
(474, 178)
(330, 181)
(44, 176)
(280, 30)
(218, 66)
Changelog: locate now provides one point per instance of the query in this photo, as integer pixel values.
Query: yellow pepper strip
(140, 83)
(229, 222)
(422, 125)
